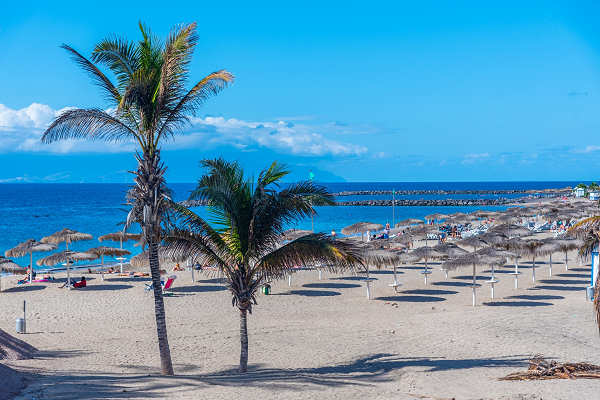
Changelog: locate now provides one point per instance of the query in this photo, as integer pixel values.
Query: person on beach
(81, 284)
(333, 233)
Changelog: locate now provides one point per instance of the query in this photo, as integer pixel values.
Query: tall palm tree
(249, 220)
(148, 103)
(588, 230)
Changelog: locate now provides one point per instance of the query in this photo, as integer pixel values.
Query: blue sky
(357, 91)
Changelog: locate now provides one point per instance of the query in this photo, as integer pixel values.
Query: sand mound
(12, 382)
(12, 348)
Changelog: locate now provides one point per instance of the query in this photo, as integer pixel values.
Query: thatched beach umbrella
(473, 259)
(9, 266)
(565, 245)
(29, 247)
(450, 250)
(380, 258)
(426, 253)
(483, 214)
(475, 241)
(293, 234)
(120, 237)
(533, 248)
(67, 236)
(66, 257)
(409, 221)
(361, 227)
(102, 251)
(436, 217)
(511, 230)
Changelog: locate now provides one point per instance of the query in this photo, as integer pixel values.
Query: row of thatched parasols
(66, 257)
(493, 249)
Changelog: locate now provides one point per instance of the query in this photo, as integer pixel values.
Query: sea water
(31, 211)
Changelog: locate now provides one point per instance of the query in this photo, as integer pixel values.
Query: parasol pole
(393, 208)
(474, 284)
(30, 266)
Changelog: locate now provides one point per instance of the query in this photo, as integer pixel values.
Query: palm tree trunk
(150, 182)
(166, 364)
(243, 340)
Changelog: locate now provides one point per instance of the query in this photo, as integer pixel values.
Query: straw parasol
(511, 230)
(409, 221)
(29, 247)
(566, 245)
(9, 266)
(533, 248)
(475, 241)
(436, 216)
(361, 227)
(102, 251)
(120, 237)
(426, 253)
(66, 257)
(450, 250)
(550, 247)
(474, 259)
(293, 234)
(66, 235)
(483, 214)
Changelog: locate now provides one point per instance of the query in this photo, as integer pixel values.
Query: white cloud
(588, 149)
(474, 157)
(20, 130)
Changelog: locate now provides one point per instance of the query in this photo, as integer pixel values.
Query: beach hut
(29, 247)
(579, 192)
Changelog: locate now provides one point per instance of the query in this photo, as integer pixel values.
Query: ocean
(31, 211)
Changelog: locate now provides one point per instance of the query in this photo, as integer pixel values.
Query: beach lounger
(166, 286)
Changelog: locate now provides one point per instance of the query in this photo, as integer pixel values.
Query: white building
(579, 192)
(594, 195)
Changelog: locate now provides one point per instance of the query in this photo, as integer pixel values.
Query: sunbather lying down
(81, 284)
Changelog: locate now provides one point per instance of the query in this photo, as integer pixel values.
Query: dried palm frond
(541, 369)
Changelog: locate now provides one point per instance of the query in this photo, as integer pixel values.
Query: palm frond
(211, 85)
(318, 248)
(581, 228)
(99, 78)
(88, 124)
(120, 56)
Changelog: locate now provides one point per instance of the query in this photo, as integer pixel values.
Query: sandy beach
(317, 338)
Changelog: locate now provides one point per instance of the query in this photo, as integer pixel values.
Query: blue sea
(31, 211)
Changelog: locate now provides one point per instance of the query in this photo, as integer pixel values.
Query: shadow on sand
(411, 299)
(140, 383)
(331, 285)
(309, 293)
(198, 289)
(105, 287)
(517, 303)
(24, 288)
(451, 284)
(429, 291)
(535, 297)
(350, 278)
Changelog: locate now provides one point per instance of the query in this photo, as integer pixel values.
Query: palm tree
(588, 230)
(148, 103)
(249, 220)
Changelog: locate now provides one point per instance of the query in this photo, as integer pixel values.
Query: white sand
(316, 339)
